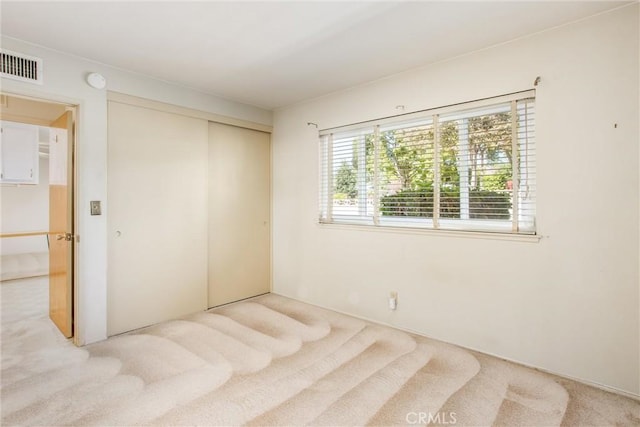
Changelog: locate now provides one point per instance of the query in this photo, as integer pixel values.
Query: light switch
(95, 207)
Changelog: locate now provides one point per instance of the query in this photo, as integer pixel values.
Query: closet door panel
(157, 216)
(239, 213)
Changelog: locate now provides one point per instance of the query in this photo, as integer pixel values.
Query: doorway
(37, 197)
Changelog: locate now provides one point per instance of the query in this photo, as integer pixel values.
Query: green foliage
(485, 204)
(482, 204)
(449, 175)
(496, 181)
(406, 167)
(489, 141)
(346, 181)
(405, 158)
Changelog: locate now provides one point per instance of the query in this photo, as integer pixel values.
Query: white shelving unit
(19, 153)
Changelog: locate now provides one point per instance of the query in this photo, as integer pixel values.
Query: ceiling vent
(18, 66)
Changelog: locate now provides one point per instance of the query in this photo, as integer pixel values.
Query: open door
(61, 236)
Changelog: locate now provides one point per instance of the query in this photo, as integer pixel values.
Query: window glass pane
(526, 166)
(475, 167)
(352, 185)
(406, 170)
(324, 177)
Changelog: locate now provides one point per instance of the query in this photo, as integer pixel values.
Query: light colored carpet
(275, 361)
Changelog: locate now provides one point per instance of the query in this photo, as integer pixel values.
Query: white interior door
(239, 213)
(157, 216)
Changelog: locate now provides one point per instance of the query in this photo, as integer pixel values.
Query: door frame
(72, 106)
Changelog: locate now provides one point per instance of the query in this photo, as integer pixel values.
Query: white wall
(568, 304)
(25, 208)
(64, 81)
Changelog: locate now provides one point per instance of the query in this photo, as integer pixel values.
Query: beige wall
(568, 304)
(25, 208)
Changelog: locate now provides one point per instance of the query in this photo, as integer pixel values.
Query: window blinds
(465, 167)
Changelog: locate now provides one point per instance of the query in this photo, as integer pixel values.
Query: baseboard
(24, 265)
(24, 276)
(603, 387)
(237, 301)
(557, 374)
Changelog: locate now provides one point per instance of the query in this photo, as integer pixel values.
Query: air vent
(18, 66)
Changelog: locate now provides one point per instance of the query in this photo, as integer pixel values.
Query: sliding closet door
(157, 216)
(239, 213)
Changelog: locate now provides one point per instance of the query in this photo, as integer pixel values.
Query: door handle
(66, 236)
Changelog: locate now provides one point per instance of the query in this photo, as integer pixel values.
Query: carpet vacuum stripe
(273, 361)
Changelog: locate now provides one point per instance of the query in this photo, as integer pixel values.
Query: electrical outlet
(95, 207)
(393, 300)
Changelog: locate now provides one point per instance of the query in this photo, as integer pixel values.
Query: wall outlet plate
(95, 207)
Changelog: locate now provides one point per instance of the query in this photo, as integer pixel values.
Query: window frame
(464, 226)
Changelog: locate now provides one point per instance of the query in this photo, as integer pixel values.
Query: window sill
(528, 238)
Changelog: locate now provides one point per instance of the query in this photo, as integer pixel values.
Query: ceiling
(276, 53)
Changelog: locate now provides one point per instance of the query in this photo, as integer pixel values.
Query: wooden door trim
(61, 252)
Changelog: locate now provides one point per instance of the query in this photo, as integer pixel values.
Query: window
(465, 167)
